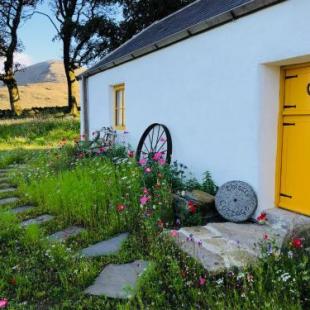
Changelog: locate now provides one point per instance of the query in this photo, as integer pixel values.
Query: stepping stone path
(63, 235)
(38, 220)
(8, 190)
(108, 247)
(8, 200)
(21, 209)
(118, 281)
(5, 185)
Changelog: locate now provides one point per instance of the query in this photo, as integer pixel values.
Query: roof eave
(210, 23)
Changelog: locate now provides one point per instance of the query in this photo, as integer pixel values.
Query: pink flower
(157, 156)
(262, 218)
(144, 200)
(148, 170)
(174, 233)
(102, 150)
(266, 237)
(131, 154)
(162, 161)
(3, 303)
(142, 161)
(297, 243)
(145, 191)
(120, 208)
(202, 281)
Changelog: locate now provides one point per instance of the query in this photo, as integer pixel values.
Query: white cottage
(231, 81)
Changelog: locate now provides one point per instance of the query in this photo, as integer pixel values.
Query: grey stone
(5, 185)
(8, 190)
(236, 201)
(8, 200)
(21, 209)
(107, 247)
(63, 235)
(203, 197)
(38, 220)
(118, 281)
(219, 246)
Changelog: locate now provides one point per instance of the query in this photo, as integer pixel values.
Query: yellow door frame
(280, 129)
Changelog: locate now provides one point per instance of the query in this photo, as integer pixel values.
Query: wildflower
(148, 170)
(102, 149)
(142, 161)
(297, 243)
(266, 237)
(131, 154)
(157, 156)
(262, 218)
(120, 208)
(144, 200)
(13, 281)
(220, 281)
(160, 224)
(145, 191)
(162, 161)
(191, 207)
(3, 303)
(285, 277)
(202, 281)
(290, 254)
(174, 233)
(199, 242)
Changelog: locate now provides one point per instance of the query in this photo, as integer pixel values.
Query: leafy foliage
(138, 14)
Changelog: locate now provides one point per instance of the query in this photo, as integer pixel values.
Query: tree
(138, 14)
(86, 31)
(12, 12)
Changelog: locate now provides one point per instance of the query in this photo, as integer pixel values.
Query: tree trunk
(14, 97)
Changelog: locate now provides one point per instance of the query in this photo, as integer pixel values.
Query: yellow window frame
(121, 109)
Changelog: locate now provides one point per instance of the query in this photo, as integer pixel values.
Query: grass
(37, 274)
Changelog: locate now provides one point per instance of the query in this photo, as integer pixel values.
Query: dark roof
(199, 16)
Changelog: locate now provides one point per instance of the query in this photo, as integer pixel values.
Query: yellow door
(295, 164)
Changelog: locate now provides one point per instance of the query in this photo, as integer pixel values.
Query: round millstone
(236, 201)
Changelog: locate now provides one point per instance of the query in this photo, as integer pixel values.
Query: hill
(40, 85)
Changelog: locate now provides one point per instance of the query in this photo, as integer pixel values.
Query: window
(119, 106)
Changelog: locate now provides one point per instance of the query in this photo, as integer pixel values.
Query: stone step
(7, 190)
(38, 220)
(21, 209)
(4, 179)
(63, 235)
(107, 247)
(118, 281)
(5, 185)
(220, 246)
(8, 200)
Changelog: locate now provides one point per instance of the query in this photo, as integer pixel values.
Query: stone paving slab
(7, 190)
(5, 185)
(8, 200)
(118, 281)
(38, 220)
(21, 209)
(107, 247)
(63, 235)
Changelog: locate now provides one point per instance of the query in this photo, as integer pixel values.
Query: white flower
(220, 281)
(285, 277)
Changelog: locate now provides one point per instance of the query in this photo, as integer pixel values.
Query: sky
(36, 35)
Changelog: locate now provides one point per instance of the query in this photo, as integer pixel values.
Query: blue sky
(36, 35)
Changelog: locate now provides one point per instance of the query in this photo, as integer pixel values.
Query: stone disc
(236, 201)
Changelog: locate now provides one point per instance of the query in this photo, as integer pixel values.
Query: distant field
(38, 95)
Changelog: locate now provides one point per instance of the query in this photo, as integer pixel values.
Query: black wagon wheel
(155, 139)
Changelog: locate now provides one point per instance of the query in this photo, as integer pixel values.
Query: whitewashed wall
(217, 92)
